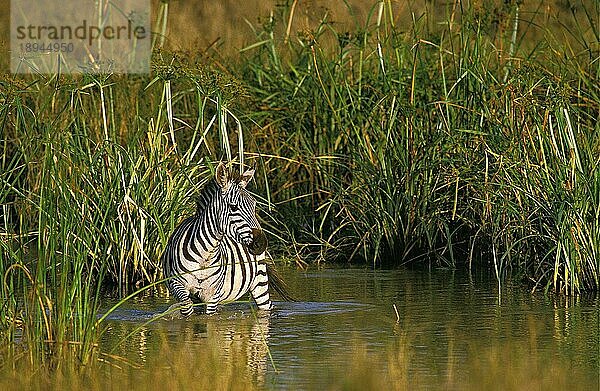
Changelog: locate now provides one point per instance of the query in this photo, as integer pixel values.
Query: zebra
(219, 254)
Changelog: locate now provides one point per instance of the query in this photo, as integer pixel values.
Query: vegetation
(436, 145)
(458, 144)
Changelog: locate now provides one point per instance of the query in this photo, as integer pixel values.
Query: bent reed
(458, 144)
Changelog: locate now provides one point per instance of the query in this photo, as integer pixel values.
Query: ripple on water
(235, 310)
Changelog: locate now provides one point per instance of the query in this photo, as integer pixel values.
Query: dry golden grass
(224, 27)
(171, 368)
(505, 365)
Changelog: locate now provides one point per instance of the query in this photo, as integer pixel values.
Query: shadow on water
(454, 331)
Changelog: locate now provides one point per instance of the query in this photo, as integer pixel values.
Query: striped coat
(218, 255)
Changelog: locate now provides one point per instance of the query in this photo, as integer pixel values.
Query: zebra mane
(206, 195)
(210, 190)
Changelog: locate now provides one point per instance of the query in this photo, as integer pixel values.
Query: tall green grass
(97, 171)
(453, 144)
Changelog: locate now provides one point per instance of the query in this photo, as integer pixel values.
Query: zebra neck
(207, 235)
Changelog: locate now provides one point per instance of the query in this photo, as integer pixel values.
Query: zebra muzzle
(259, 242)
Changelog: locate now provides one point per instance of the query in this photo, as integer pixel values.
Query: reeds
(453, 145)
(94, 180)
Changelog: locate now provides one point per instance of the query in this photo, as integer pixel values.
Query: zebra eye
(233, 207)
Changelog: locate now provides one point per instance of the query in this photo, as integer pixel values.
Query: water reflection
(453, 329)
(235, 337)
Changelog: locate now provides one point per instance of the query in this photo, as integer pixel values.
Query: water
(405, 329)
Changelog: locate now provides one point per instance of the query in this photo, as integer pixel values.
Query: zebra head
(239, 210)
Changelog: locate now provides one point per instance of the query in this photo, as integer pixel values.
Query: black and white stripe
(218, 255)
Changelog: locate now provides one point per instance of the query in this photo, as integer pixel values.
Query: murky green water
(452, 331)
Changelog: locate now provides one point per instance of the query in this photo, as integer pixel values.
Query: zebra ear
(221, 175)
(246, 177)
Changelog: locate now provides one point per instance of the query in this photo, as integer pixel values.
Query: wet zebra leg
(187, 308)
(183, 296)
(211, 308)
